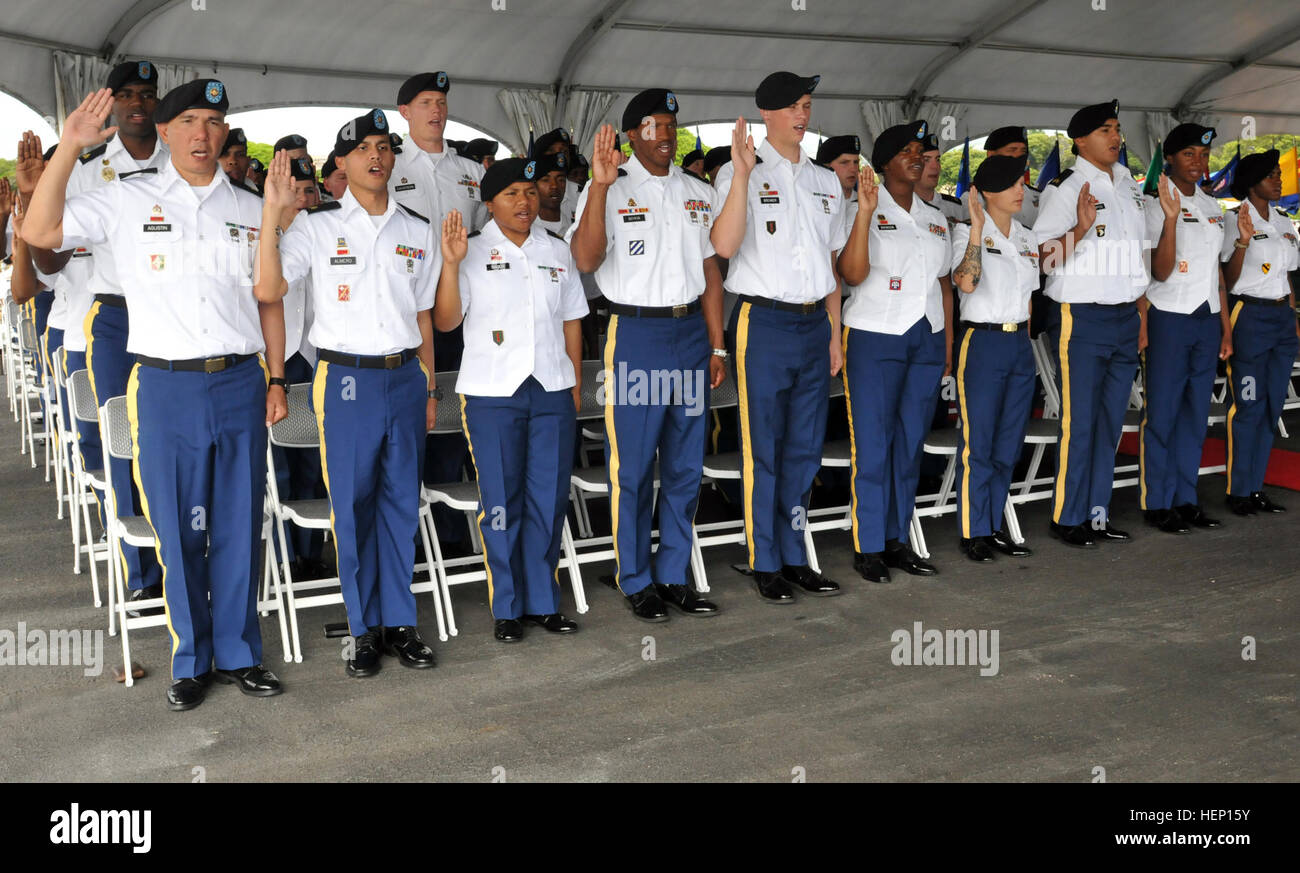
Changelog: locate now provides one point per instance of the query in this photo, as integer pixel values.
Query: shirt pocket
(157, 254)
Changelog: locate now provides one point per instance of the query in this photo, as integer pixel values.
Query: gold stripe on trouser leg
(746, 444)
(482, 509)
(133, 416)
(1232, 407)
(965, 433)
(1063, 455)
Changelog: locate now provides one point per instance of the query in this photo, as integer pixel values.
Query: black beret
(550, 138)
(1188, 134)
(930, 143)
(893, 140)
(834, 146)
(783, 89)
(421, 82)
(1252, 170)
(478, 149)
(1005, 136)
(132, 71)
(456, 145)
(195, 94)
(328, 167)
(292, 141)
(255, 166)
(1089, 118)
(395, 142)
(503, 174)
(999, 172)
(373, 122)
(558, 162)
(651, 101)
(301, 169)
(692, 156)
(580, 163)
(236, 137)
(716, 157)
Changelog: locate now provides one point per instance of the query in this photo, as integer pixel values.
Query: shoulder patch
(929, 204)
(758, 159)
(89, 156)
(409, 211)
(1282, 212)
(474, 234)
(554, 234)
(1056, 183)
(951, 199)
(324, 207)
(147, 171)
(622, 172)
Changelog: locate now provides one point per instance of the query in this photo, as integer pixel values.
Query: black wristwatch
(435, 393)
(276, 380)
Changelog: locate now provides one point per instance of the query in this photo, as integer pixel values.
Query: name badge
(157, 228)
(343, 262)
(501, 266)
(410, 186)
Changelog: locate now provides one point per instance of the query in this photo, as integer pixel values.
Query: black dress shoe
(808, 581)
(150, 593)
(507, 630)
(1077, 536)
(1241, 505)
(772, 588)
(871, 566)
(404, 643)
(900, 555)
(1166, 521)
(552, 622)
(1195, 516)
(1007, 546)
(647, 605)
(255, 681)
(365, 655)
(1111, 535)
(187, 693)
(976, 549)
(1261, 502)
(684, 599)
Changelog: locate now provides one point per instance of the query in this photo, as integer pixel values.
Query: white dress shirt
(515, 301)
(433, 184)
(1109, 264)
(368, 281)
(183, 257)
(952, 208)
(794, 221)
(1199, 238)
(910, 250)
(1272, 253)
(1009, 273)
(656, 236)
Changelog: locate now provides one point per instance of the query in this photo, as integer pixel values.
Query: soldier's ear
(162, 132)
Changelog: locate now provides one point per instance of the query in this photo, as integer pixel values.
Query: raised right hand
(868, 189)
(30, 164)
(455, 239)
(742, 148)
(976, 210)
(1087, 209)
(278, 191)
(84, 127)
(1245, 226)
(605, 156)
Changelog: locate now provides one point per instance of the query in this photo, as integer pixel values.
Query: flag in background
(963, 175)
(1153, 175)
(529, 154)
(1290, 180)
(1221, 182)
(1123, 155)
(699, 143)
(1051, 167)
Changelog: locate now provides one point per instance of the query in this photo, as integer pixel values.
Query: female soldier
(995, 265)
(1257, 264)
(516, 288)
(1186, 321)
(898, 346)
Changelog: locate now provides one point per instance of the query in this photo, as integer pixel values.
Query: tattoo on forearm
(970, 265)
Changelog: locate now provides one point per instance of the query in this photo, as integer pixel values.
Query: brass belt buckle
(809, 307)
(214, 365)
(1008, 327)
(679, 310)
(392, 362)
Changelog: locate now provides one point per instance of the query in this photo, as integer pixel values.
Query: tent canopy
(984, 63)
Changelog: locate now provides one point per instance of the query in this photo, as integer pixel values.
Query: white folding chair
(29, 390)
(86, 484)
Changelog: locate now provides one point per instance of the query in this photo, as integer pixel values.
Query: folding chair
(85, 485)
(299, 431)
(29, 390)
(134, 530)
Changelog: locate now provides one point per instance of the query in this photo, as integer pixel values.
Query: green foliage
(7, 169)
(1220, 155)
(262, 151)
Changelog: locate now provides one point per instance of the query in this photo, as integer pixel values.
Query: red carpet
(1283, 465)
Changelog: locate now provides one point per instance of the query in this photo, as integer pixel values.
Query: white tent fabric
(1029, 62)
(76, 75)
(530, 112)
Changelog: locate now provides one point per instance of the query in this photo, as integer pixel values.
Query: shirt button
(203, 300)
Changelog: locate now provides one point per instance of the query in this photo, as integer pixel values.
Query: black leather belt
(196, 365)
(1260, 301)
(769, 303)
(368, 362)
(1004, 327)
(111, 300)
(679, 311)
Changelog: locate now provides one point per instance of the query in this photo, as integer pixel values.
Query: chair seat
(596, 479)
(722, 466)
(837, 453)
(942, 441)
(457, 495)
(1218, 412)
(1043, 430)
(307, 513)
(1132, 420)
(136, 530)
